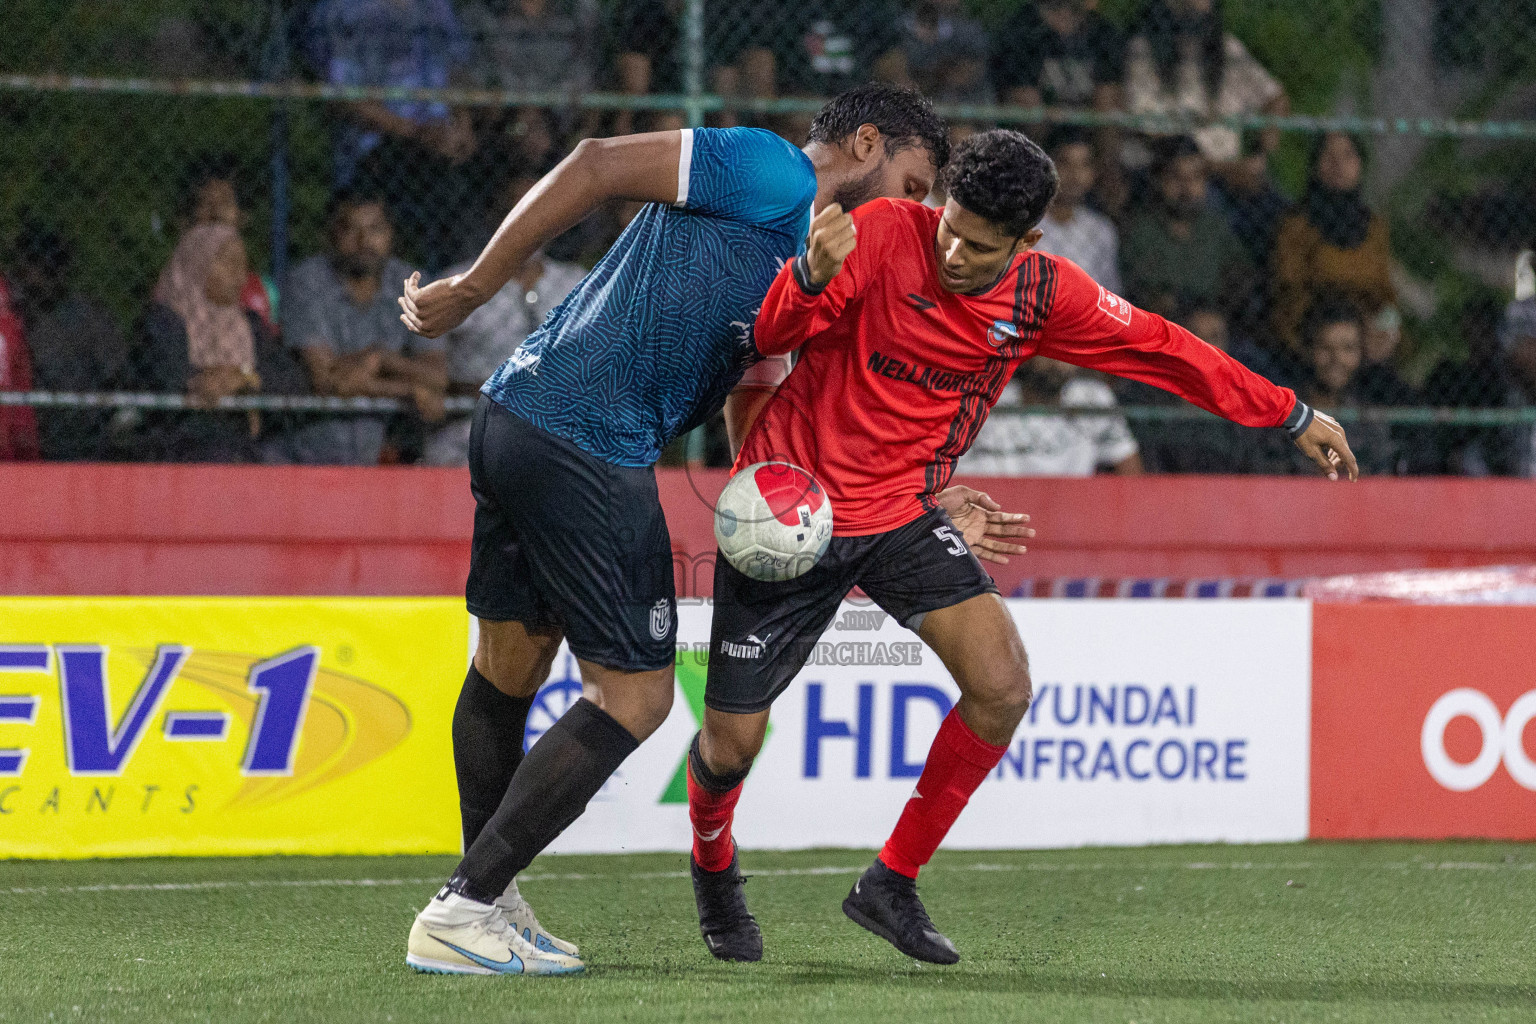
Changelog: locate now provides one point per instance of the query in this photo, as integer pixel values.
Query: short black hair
(350, 197)
(1003, 176)
(904, 116)
(1165, 152)
(1330, 307)
(1066, 135)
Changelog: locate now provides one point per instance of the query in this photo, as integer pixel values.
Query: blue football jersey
(650, 343)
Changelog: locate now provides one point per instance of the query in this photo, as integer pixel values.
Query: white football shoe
(520, 917)
(455, 935)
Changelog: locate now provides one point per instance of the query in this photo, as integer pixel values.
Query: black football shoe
(886, 903)
(729, 929)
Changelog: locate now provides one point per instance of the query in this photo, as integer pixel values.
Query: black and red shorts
(763, 633)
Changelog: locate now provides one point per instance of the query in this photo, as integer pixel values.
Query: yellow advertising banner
(206, 726)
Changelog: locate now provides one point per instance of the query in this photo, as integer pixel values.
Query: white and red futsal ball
(773, 521)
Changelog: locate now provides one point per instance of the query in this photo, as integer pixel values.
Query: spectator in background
(766, 48)
(1332, 242)
(644, 39)
(1048, 445)
(74, 343)
(1064, 53)
(532, 45)
(1059, 53)
(944, 53)
(1517, 338)
(202, 343)
(833, 45)
(18, 424)
(1082, 235)
(416, 153)
(1245, 192)
(742, 40)
(1483, 380)
(1178, 253)
(1334, 335)
(340, 315)
(1379, 381)
(212, 197)
(478, 346)
(526, 137)
(1183, 61)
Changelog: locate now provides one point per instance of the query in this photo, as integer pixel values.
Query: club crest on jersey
(1114, 307)
(1002, 333)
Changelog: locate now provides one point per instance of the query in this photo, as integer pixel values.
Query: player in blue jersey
(570, 540)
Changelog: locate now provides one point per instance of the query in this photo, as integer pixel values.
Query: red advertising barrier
(131, 529)
(1423, 722)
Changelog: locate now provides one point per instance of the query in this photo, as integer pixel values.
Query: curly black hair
(904, 116)
(1003, 176)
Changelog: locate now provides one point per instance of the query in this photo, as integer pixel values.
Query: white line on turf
(366, 883)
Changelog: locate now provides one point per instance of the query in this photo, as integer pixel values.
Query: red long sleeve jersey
(896, 374)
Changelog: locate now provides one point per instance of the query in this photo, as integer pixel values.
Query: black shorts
(566, 541)
(763, 633)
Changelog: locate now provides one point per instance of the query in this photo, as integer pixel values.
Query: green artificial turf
(1328, 932)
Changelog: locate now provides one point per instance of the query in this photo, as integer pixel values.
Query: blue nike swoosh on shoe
(512, 966)
(546, 946)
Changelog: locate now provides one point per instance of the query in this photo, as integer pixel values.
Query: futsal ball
(773, 521)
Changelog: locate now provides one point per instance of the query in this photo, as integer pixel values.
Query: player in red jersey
(909, 321)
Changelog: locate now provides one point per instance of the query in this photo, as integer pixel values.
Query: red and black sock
(711, 809)
(958, 762)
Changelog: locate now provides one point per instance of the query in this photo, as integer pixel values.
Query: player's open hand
(1324, 443)
(990, 532)
(436, 309)
(831, 239)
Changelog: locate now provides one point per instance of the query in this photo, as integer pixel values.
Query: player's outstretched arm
(641, 168)
(1094, 328)
(991, 533)
(1324, 443)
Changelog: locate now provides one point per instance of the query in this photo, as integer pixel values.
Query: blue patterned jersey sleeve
(747, 175)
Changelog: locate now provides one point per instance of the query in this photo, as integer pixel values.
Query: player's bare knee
(651, 707)
(730, 761)
(1005, 692)
(514, 661)
(1023, 689)
(729, 743)
(728, 753)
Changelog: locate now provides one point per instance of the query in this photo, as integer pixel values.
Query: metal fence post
(693, 86)
(693, 62)
(275, 70)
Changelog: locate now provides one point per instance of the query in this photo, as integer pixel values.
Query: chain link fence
(198, 196)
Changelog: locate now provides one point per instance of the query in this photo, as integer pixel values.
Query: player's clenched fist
(831, 239)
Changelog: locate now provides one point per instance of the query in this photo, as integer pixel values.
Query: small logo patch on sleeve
(1114, 307)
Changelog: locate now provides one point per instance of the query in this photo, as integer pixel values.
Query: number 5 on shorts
(948, 535)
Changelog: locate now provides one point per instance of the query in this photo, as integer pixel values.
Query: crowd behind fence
(209, 206)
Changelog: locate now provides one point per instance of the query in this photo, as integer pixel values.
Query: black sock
(551, 788)
(487, 748)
